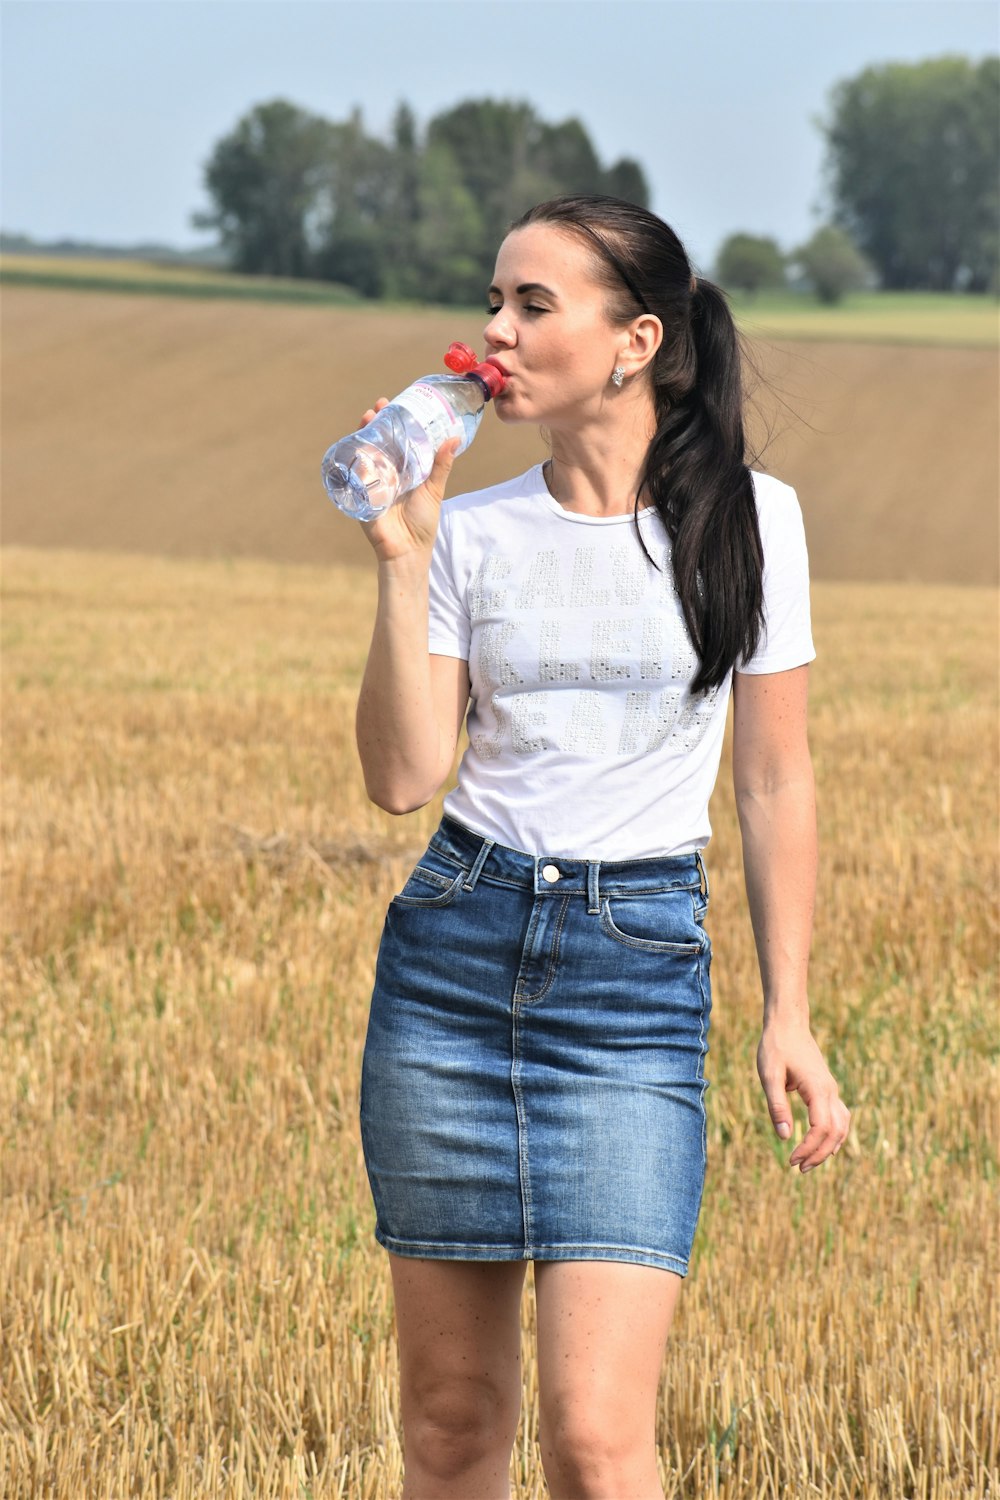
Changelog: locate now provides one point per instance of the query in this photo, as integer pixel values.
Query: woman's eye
(528, 306)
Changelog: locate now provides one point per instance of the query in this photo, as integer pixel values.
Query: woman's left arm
(775, 800)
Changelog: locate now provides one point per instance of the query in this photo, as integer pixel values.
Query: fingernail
(784, 1130)
(809, 1167)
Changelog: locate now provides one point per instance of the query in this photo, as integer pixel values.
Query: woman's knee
(589, 1441)
(452, 1423)
(459, 1343)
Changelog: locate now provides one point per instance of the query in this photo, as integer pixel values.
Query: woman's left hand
(789, 1061)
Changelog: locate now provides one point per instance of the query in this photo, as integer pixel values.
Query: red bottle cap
(493, 379)
(460, 358)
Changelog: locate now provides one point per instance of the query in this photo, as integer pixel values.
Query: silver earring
(618, 375)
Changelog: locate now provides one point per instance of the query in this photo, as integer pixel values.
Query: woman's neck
(599, 472)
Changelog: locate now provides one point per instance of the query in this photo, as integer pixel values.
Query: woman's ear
(645, 335)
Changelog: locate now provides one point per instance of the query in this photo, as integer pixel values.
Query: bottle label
(433, 411)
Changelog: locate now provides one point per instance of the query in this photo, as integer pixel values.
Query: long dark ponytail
(696, 471)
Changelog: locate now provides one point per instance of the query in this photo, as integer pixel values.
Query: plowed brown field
(144, 425)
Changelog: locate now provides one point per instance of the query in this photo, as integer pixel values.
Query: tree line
(416, 217)
(912, 183)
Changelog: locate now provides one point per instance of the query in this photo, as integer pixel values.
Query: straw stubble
(194, 882)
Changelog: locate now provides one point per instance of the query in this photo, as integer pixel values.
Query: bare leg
(459, 1328)
(602, 1330)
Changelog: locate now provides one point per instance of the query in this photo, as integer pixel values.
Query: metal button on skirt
(533, 1079)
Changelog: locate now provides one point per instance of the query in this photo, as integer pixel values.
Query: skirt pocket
(663, 922)
(435, 882)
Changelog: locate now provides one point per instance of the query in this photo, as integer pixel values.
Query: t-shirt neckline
(553, 505)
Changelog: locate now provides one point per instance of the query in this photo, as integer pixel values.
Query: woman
(533, 1082)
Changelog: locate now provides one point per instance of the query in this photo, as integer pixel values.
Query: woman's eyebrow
(528, 286)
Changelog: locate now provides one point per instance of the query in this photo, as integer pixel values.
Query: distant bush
(832, 263)
(748, 262)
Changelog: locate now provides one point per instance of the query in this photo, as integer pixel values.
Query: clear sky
(110, 108)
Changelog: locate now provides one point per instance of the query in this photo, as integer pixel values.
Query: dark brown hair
(696, 471)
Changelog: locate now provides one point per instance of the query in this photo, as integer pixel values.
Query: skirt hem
(434, 1250)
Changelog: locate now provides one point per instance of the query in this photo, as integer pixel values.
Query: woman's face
(549, 329)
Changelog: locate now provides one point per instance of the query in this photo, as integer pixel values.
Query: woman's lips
(490, 360)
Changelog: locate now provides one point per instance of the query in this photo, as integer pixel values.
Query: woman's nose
(498, 331)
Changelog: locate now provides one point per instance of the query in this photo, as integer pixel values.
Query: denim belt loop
(593, 888)
(469, 884)
(702, 873)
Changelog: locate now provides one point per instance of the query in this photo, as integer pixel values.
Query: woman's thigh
(602, 1331)
(459, 1328)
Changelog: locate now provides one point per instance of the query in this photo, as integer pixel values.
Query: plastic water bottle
(367, 472)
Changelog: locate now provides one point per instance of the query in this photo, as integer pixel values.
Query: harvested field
(191, 1302)
(156, 425)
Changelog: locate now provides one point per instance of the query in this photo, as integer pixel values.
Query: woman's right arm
(412, 704)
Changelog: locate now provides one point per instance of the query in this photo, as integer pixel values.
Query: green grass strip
(873, 317)
(251, 291)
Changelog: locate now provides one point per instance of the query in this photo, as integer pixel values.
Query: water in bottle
(368, 471)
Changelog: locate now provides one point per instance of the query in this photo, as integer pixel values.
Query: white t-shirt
(584, 740)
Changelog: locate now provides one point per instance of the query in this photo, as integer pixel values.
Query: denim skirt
(533, 1081)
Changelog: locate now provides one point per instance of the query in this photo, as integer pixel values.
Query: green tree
(264, 179)
(914, 170)
(401, 214)
(508, 159)
(564, 154)
(350, 214)
(491, 142)
(627, 180)
(747, 262)
(449, 240)
(832, 263)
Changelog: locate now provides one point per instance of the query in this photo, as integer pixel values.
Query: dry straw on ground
(192, 1304)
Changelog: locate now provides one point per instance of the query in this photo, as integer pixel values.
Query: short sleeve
(786, 640)
(449, 627)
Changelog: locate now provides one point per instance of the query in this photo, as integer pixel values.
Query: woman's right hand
(406, 531)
